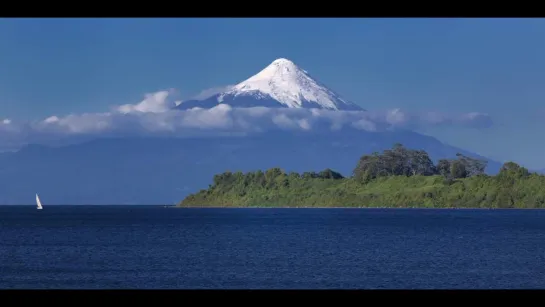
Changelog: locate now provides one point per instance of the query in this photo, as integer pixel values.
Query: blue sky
(63, 66)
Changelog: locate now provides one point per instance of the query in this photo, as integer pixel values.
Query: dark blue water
(156, 247)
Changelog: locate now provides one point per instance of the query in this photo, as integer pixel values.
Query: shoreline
(355, 208)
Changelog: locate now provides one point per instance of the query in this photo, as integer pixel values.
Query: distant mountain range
(164, 170)
(155, 170)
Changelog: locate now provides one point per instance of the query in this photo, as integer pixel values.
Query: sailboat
(38, 203)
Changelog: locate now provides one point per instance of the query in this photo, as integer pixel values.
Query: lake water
(155, 247)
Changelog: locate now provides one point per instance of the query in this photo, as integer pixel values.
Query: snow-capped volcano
(281, 84)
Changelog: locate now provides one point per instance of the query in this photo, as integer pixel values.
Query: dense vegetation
(397, 177)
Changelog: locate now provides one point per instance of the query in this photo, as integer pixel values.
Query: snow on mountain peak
(291, 86)
(282, 61)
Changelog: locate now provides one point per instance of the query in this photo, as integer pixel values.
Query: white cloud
(153, 103)
(51, 119)
(154, 116)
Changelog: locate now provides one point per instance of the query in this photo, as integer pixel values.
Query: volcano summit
(282, 84)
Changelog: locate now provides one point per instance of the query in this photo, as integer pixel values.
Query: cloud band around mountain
(154, 116)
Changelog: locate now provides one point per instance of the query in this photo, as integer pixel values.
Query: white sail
(38, 202)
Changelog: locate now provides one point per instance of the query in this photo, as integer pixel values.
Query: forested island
(398, 178)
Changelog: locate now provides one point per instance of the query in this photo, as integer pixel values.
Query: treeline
(397, 177)
(270, 177)
(401, 161)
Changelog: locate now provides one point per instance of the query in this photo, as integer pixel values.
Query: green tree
(458, 169)
(330, 174)
(443, 167)
(514, 170)
(473, 166)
